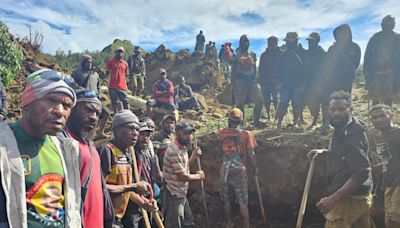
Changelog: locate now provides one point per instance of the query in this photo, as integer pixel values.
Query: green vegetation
(71, 61)
(11, 56)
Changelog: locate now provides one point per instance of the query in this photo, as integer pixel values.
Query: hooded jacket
(342, 61)
(87, 79)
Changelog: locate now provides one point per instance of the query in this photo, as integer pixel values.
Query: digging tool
(305, 194)
(202, 186)
(260, 198)
(156, 216)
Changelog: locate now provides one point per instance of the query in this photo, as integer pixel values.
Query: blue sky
(78, 25)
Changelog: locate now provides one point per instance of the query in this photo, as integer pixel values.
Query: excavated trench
(283, 169)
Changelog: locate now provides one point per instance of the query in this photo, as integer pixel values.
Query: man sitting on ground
(184, 96)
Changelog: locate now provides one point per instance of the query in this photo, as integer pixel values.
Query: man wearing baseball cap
(117, 69)
(292, 79)
(177, 177)
(315, 79)
(163, 93)
(238, 156)
(117, 163)
(39, 171)
(137, 70)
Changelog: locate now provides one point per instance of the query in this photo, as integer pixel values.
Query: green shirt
(44, 177)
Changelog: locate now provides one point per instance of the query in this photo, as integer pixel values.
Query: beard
(183, 142)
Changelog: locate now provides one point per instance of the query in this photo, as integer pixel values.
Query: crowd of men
(53, 175)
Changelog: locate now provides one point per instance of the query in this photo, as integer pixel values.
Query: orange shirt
(236, 140)
(118, 70)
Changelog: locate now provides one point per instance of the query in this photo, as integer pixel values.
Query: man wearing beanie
(39, 171)
(238, 148)
(117, 163)
(80, 125)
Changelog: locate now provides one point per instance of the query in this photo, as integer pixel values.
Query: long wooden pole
(305, 194)
(202, 186)
(144, 212)
(260, 198)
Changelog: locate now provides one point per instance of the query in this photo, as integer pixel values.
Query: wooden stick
(305, 194)
(202, 186)
(260, 198)
(144, 212)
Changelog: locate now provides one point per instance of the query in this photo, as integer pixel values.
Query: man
(214, 52)
(3, 103)
(342, 60)
(268, 74)
(225, 57)
(349, 175)
(315, 57)
(200, 40)
(80, 125)
(184, 96)
(244, 80)
(39, 171)
(164, 137)
(388, 149)
(238, 148)
(148, 172)
(177, 177)
(117, 69)
(137, 69)
(381, 68)
(163, 92)
(208, 51)
(117, 163)
(292, 79)
(86, 77)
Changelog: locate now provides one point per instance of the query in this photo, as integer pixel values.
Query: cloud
(78, 25)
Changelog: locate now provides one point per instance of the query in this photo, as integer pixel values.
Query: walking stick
(144, 212)
(260, 198)
(305, 194)
(202, 186)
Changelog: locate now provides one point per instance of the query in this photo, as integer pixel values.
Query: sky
(80, 25)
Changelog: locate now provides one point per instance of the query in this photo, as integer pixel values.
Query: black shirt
(348, 159)
(388, 149)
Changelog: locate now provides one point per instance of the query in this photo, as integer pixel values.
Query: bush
(11, 56)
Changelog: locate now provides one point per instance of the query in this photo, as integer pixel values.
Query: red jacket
(161, 86)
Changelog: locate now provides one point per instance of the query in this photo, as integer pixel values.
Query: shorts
(235, 187)
(350, 213)
(392, 204)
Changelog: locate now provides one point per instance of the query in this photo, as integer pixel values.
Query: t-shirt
(388, 149)
(236, 140)
(93, 208)
(44, 178)
(176, 162)
(118, 70)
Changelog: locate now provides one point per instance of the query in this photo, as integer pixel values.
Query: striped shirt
(176, 162)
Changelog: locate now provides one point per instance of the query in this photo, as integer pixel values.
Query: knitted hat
(42, 82)
(123, 117)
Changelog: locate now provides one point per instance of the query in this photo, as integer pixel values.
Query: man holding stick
(238, 148)
(348, 169)
(177, 176)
